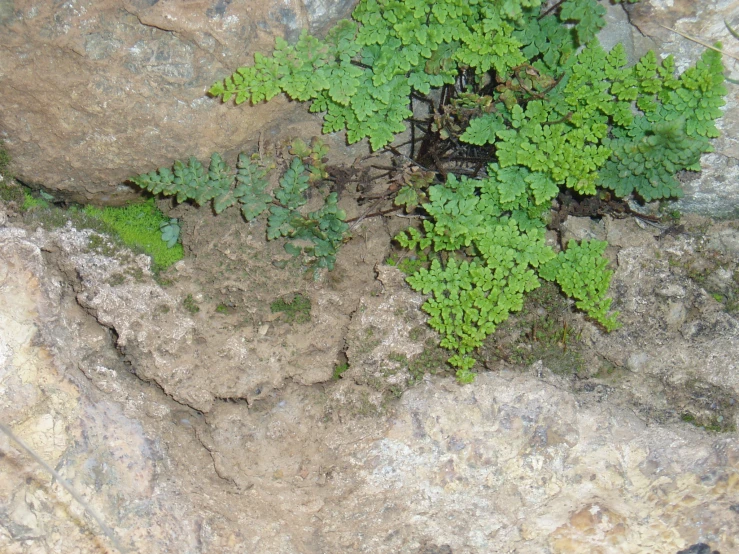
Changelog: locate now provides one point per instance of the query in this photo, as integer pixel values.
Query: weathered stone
(516, 462)
(673, 329)
(581, 228)
(93, 92)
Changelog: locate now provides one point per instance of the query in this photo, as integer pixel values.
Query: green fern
(501, 234)
(554, 113)
(325, 228)
(531, 90)
(585, 133)
(581, 273)
(362, 74)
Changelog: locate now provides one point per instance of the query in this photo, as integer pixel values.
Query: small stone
(698, 548)
(676, 314)
(637, 361)
(671, 291)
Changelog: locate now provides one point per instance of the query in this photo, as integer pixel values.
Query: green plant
(409, 264)
(530, 97)
(565, 115)
(324, 229)
(339, 369)
(540, 331)
(581, 273)
(190, 304)
(363, 73)
(5, 160)
(11, 191)
(492, 251)
(170, 231)
(714, 425)
(139, 226)
(295, 309)
(31, 202)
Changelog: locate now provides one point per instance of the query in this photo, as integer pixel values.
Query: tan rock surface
(517, 462)
(93, 92)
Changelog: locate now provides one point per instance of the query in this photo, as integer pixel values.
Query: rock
(93, 92)
(699, 548)
(193, 361)
(515, 462)
(626, 232)
(674, 331)
(619, 29)
(725, 241)
(581, 228)
(69, 395)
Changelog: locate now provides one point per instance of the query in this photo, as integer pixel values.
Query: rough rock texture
(193, 358)
(92, 92)
(676, 289)
(715, 191)
(518, 462)
(128, 449)
(664, 310)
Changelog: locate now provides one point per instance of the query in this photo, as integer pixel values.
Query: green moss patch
(138, 226)
(294, 310)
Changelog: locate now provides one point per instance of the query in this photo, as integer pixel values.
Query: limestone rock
(671, 294)
(93, 92)
(517, 462)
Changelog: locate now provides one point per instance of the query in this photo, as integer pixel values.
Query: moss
(339, 369)
(31, 202)
(417, 333)
(715, 424)
(190, 304)
(538, 332)
(137, 225)
(368, 344)
(5, 163)
(116, 279)
(431, 361)
(398, 357)
(101, 244)
(137, 273)
(11, 192)
(295, 309)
